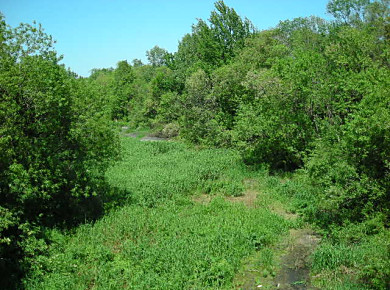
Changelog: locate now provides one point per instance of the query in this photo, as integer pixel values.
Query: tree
(212, 45)
(348, 11)
(157, 56)
(123, 90)
(198, 108)
(229, 29)
(137, 62)
(54, 147)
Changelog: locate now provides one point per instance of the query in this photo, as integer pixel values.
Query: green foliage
(353, 167)
(365, 263)
(265, 131)
(123, 90)
(54, 146)
(198, 107)
(309, 94)
(170, 107)
(157, 56)
(176, 247)
(212, 45)
(229, 30)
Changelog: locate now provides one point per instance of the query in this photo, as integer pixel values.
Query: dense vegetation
(163, 240)
(309, 96)
(55, 145)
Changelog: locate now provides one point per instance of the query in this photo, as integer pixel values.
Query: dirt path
(145, 138)
(295, 272)
(291, 255)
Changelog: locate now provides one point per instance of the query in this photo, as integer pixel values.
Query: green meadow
(163, 236)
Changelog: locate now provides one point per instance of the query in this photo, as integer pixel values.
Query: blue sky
(99, 33)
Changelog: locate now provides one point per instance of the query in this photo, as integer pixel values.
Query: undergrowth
(352, 254)
(159, 238)
(152, 172)
(167, 247)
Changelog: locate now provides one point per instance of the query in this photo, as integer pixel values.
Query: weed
(162, 239)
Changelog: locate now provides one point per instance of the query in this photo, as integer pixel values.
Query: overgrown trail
(294, 272)
(188, 219)
(292, 253)
(290, 265)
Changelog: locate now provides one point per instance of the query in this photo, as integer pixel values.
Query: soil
(202, 198)
(295, 272)
(146, 138)
(248, 198)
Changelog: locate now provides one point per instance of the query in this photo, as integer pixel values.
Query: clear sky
(99, 33)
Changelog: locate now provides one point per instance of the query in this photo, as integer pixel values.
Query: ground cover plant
(152, 172)
(163, 239)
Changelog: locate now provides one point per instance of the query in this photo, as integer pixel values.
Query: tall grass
(152, 172)
(167, 247)
(162, 239)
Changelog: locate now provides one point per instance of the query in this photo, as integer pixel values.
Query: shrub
(54, 146)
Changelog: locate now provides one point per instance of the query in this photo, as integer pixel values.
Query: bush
(54, 147)
(170, 130)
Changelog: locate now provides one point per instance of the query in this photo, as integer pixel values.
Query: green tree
(123, 90)
(137, 62)
(157, 56)
(229, 30)
(198, 108)
(54, 147)
(212, 45)
(347, 11)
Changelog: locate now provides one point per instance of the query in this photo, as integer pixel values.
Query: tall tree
(157, 56)
(213, 43)
(54, 148)
(229, 29)
(123, 78)
(347, 10)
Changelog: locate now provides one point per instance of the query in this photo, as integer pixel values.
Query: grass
(351, 255)
(161, 238)
(199, 219)
(152, 172)
(361, 264)
(166, 247)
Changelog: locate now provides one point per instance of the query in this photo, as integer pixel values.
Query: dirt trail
(293, 253)
(145, 138)
(295, 272)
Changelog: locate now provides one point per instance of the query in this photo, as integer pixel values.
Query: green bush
(54, 147)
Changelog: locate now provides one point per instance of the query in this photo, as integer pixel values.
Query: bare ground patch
(202, 198)
(295, 262)
(248, 198)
